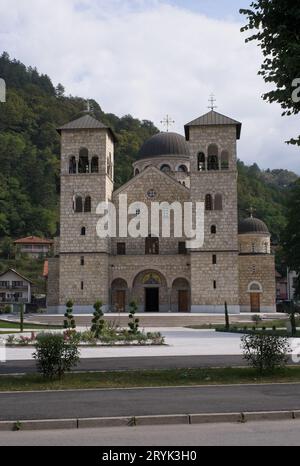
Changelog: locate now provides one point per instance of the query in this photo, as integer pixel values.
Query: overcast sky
(153, 57)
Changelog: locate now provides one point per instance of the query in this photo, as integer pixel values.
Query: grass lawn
(12, 325)
(153, 378)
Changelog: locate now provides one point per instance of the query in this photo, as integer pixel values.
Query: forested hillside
(29, 156)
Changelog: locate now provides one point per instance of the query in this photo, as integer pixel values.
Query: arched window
(213, 157)
(72, 166)
(78, 205)
(88, 204)
(182, 169)
(224, 160)
(266, 248)
(137, 172)
(208, 202)
(95, 165)
(201, 162)
(83, 231)
(218, 202)
(152, 246)
(83, 166)
(165, 168)
(213, 230)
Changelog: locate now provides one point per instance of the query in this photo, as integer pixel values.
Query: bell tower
(214, 268)
(87, 173)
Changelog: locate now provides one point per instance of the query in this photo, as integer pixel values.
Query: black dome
(253, 225)
(164, 144)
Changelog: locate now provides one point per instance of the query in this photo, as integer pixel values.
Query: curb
(177, 419)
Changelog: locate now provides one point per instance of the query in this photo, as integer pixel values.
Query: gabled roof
(17, 273)
(86, 122)
(213, 118)
(143, 173)
(33, 240)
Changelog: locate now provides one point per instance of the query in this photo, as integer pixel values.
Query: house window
(4, 284)
(213, 157)
(121, 249)
(83, 166)
(82, 261)
(17, 284)
(215, 285)
(78, 205)
(218, 202)
(72, 166)
(213, 230)
(88, 204)
(208, 202)
(214, 259)
(201, 162)
(182, 248)
(224, 160)
(152, 246)
(95, 165)
(83, 231)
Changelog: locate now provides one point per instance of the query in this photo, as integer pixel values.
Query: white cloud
(148, 58)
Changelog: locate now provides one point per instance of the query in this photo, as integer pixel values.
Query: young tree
(277, 24)
(98, 321)
(69, 322)
(133, 322)
(227, 323)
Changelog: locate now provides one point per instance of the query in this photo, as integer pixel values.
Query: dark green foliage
(98, 322)
(69, 322)
(55, 355)
(265, 352)
(292, 233)
(275, 26)
(227, 323)
(133, 322)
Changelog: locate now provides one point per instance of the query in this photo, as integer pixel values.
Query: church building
(234, 265)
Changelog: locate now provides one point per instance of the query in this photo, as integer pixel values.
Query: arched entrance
(255, 290)
(119, 291)
(150, 291)
(181, 295)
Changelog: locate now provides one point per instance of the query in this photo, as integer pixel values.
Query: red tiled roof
(33, 240)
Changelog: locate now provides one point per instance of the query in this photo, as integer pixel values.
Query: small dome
(162, 144)
(253, 225)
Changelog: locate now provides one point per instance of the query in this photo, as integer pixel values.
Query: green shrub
(55, 355)
(98, 322)
(265, 352)
(69, 322)
(256, 319)
(133, 322)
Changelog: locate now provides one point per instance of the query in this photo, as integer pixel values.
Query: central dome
(253, 225)
(162, 144)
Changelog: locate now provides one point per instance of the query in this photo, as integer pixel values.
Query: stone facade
(160, 273)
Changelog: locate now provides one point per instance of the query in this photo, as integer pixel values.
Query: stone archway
(150, 291)
(181, 295)
(119, 292)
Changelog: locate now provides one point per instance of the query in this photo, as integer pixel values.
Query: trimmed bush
(69, 322)
(265, 352)
(55, 355)
(98, 322)
(133, 322)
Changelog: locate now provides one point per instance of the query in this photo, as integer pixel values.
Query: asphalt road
(137, 363)
(284, 433)
(139, 402)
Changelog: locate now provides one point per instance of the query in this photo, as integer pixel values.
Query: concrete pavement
(148, 401)
(270, 433)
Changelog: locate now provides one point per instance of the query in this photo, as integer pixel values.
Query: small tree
(256, 319)
(69, 322)
(133, 322)
(227, 323)
(265, 352)
(292, 315)
(98, 321)
(54, 355)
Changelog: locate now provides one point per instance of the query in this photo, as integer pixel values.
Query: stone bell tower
(87, 173)
(214, 268)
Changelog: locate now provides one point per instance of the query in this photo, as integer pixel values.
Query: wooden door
(183, 301)
(120, 300)
(255, 302)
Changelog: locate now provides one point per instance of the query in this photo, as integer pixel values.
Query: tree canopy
(276, 26)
